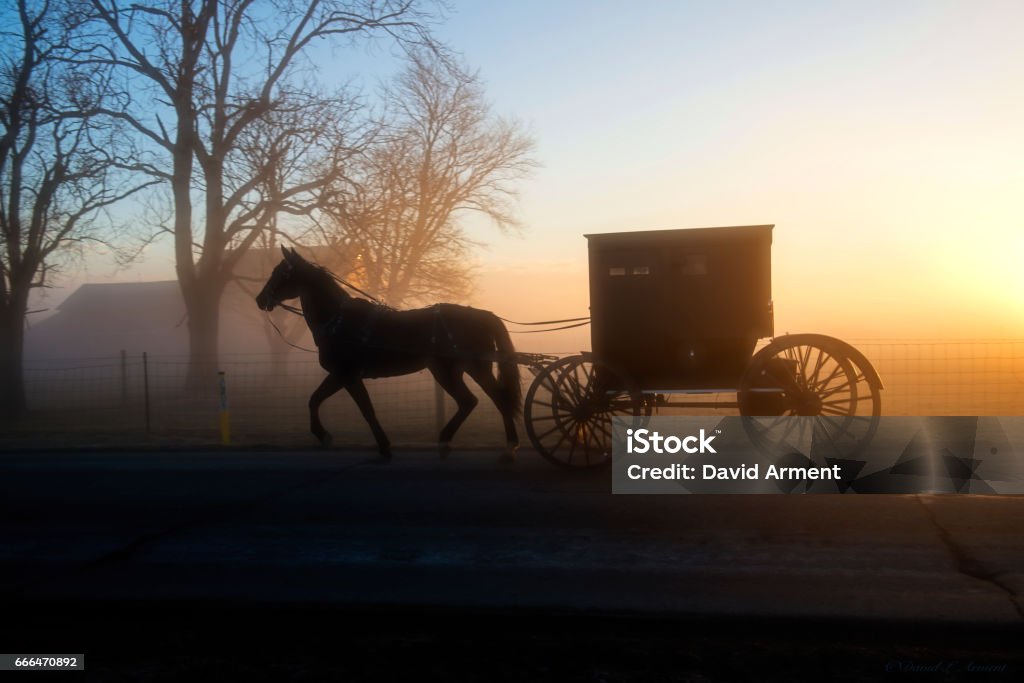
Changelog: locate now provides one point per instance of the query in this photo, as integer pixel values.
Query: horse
(358, 339)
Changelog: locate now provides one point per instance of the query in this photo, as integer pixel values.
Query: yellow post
(225, 416)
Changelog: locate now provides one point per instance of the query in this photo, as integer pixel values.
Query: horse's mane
(320, 276)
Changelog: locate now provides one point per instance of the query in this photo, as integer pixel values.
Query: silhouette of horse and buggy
(675, 315)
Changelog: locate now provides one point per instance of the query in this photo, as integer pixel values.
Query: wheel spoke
(601, 425)
(806, 357)
(835, 371)
(582, 390)
(840, 428)
(549, 383)
(591, 385)
(820, 426)
(837, 402)
(575, 386)
(829, 392)
(819, 364)
(789, 428)
(778, 420)
(549, 432)
(565, 434)
(590, 436)
(834, 411)
(575, 440)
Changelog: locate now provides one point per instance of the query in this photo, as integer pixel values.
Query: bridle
(272, 292)
(271, 295)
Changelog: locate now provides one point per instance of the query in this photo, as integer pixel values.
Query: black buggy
(676, 316)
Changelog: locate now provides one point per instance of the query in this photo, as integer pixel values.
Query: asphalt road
(333, 531)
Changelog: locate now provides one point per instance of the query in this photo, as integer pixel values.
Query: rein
(296, 311)
(548, 329)
(545, 322)
(575, 321)
(351, 286)
(579, 322)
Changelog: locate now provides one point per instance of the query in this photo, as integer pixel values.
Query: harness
(439, 320)
(330, 328)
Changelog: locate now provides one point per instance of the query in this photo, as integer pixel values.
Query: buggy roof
(645, 237)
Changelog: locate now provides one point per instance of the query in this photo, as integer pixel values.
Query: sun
(985, 278)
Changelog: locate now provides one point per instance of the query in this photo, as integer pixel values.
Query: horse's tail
(509, 384)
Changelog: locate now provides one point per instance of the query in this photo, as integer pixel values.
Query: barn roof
(102, 318)
(128, 296)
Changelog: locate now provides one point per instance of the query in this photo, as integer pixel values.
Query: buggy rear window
(620, 271)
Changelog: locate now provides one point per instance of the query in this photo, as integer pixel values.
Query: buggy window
(692, 264)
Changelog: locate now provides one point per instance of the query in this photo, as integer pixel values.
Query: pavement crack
(966, 563)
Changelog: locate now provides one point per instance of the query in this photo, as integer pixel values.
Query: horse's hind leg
(357, 390)
(450, 379)
(327, 388)
(481, 374)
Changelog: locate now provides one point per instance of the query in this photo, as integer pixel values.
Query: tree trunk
(203, 305)
(202, 317)
(12, 349)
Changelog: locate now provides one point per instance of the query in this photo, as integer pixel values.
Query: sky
(884, 140)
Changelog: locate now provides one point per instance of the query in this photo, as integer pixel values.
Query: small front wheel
(569, 410)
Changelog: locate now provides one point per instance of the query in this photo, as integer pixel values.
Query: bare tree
(203, 79)
(444, 154)
(307, 144)
(61, 166)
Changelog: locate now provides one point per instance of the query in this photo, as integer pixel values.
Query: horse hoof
(383, 458)
(326, 441)
(507, 458)
(444, 449)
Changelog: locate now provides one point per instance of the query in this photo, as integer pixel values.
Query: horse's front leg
(357, 390)
(327, 388)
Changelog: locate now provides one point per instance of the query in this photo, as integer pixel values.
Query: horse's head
(284, 281)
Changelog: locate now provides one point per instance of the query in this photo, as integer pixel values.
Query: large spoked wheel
(816, 377)
(569, 410)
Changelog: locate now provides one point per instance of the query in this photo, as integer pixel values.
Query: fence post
(225, 417)
(124, 378)
(438, 407)
(145, 386)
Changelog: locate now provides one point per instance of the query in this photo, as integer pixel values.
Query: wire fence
(133, 399)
